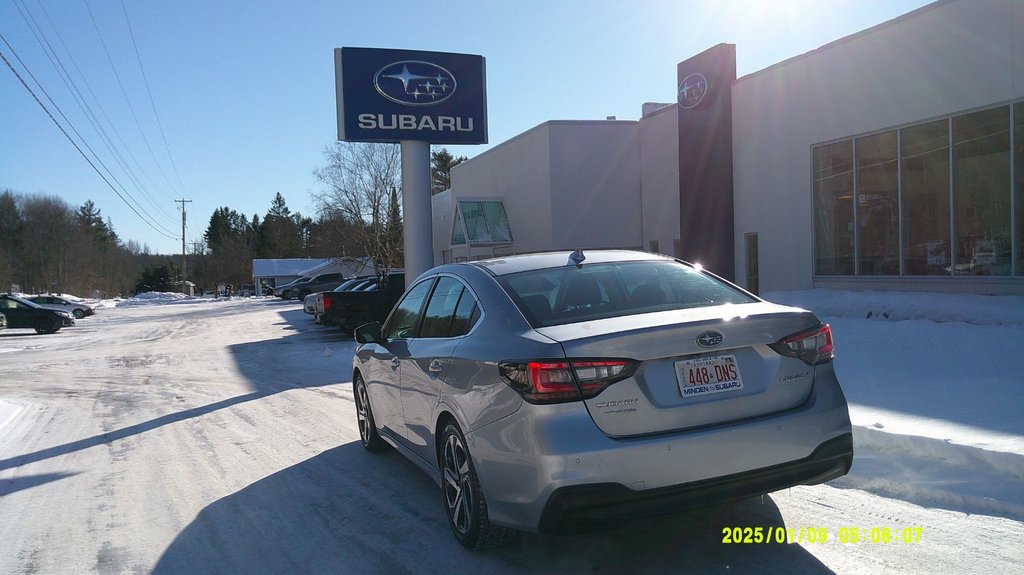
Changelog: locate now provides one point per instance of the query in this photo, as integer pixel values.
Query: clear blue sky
(244, 91)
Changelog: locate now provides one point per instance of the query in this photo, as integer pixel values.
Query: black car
(25, 314)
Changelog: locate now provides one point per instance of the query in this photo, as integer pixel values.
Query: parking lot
(220, 436)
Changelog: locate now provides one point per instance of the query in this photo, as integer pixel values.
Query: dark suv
(318, 283)
(25, 314)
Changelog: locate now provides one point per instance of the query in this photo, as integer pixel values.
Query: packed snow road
(221, 437)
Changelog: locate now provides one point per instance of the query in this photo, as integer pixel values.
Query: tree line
(358, 214)
(46, 245)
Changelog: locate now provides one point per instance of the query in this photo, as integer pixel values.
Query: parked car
(550, 396)
(284, 291)
(302, 287)
(247, 290)
(311, 302)
(364, 302)
(22, 313)
(77, 309)
(319, 283)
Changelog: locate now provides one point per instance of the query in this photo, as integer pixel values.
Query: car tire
(79, 314)
(465, 504)
(46, 325)
(372, 441)
(303, 294)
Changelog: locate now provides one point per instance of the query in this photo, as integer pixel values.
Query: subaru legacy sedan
(557, 392)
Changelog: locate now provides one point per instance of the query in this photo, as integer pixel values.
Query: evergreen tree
(441, 164)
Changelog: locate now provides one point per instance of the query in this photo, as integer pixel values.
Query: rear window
(558, 296)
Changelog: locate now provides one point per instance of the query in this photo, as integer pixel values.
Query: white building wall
(564, 184)
(595, 183)
(517, 171)
(942, 59)
(659, 178)
(442, 212)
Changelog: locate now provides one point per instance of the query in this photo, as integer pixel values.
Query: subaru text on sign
(395, 95)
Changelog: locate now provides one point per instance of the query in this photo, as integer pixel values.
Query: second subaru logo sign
(415, 83)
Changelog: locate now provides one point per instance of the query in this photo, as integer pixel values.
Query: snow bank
(7, 413)
(935, 384)
(149, 298)
(972, 309)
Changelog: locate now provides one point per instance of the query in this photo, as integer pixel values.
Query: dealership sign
(401, 95)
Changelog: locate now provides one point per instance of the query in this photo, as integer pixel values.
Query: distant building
(275, 272)
(889, 159)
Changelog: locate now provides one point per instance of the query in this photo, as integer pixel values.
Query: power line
(92, 117)
(69, 83)
(73, 143)
(127, 100)
(145, 81)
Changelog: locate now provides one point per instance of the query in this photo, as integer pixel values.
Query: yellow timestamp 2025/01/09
(845, 534)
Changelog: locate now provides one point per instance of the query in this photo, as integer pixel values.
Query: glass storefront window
(458, 236)
(953, 187)
(924, 152)
(878, 213)
(485, 222)
(981, 185)
(833, 209)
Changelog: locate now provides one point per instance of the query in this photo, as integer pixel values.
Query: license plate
(708, 375)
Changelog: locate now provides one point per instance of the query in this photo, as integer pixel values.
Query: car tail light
(559, 381)
(327, 302)
(812, 347)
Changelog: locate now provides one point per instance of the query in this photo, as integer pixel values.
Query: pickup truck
(314, 301)
(360, 303)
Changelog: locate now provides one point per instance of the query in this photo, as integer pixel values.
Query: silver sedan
(555, 392)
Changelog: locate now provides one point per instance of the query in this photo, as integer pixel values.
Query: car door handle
(436, 366)
(395, 363)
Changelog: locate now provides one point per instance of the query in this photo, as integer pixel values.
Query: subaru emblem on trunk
(710, 339)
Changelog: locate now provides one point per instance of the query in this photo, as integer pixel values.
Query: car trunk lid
(696, 367)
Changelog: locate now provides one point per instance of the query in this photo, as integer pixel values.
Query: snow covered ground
(936, 390)
(217, 436)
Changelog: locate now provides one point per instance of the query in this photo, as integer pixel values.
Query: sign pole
(415, 98)
(416, 210)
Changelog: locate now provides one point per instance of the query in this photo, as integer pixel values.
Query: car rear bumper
(545, 468)
(586, 507)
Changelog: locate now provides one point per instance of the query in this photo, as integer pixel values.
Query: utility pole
(184, 263)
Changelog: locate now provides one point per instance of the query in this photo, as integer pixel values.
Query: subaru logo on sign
(415, 83)
(710, 339)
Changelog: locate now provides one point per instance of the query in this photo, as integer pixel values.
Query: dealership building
(889, 159)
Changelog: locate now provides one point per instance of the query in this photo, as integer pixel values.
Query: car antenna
(577, 258)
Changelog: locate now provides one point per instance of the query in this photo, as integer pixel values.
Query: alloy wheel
(458, 484)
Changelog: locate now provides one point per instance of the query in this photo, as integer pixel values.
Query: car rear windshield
(558, 296)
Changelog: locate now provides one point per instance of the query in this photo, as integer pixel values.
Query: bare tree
(363, 188)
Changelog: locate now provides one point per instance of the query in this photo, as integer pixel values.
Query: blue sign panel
(395, 95)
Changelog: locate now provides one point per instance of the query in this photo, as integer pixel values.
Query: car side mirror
(368, 332)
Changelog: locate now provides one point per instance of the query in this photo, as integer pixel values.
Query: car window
(467, 312)
(405, 318)
(438, 318)
(558, 296)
